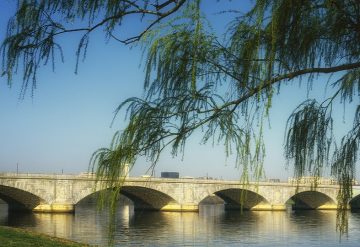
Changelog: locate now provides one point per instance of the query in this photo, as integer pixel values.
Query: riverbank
(18, 237)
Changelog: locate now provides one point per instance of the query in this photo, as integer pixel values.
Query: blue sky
(69, 116)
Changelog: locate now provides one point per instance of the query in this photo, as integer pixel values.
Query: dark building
(169, 174)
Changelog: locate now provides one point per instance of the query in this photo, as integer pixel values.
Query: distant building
(169, 174)
(274, 180)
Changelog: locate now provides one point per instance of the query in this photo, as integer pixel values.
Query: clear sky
(69, 116)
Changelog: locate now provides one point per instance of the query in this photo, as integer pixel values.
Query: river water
(212, 226)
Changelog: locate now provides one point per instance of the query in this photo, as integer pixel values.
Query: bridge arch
(355, 202)
(311, 199)
(18, 199)
(236, 198)
(143, 198)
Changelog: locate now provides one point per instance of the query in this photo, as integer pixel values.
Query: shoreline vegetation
(10, 236)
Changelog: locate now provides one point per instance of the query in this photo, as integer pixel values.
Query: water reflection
(212, 226)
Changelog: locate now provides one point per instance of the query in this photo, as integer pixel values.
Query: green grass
(18, 237)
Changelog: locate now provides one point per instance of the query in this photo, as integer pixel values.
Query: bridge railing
(308, 181)
(37, 175)
(312, 180)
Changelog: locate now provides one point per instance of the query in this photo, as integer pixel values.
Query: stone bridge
(61, 193)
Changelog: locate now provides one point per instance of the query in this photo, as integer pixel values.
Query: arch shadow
(19, 200)
(142, 198)
(355, 203)
(236, 199)
(93, 198)
(311, 200)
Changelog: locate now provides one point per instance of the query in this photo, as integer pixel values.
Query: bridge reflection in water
(61, 193)
(212, 226)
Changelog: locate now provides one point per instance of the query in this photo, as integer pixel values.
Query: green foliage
(309, 138)
(18, 237)
(220, 85)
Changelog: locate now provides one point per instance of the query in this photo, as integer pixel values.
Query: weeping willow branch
(309, 138)
(33, 31)
(267, 84)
